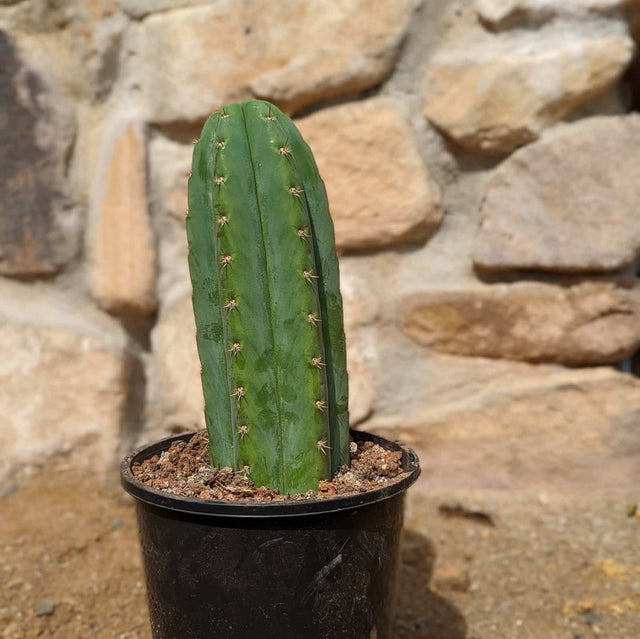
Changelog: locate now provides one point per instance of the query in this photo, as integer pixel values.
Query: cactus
(266, 300)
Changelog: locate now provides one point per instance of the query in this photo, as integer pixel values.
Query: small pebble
(11, 489)
(591, 618)
(44, 607)
(453, 578)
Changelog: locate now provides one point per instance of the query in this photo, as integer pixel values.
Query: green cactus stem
(267, 301)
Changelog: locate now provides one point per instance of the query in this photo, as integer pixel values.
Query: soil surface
(184, 469)
(488, 566)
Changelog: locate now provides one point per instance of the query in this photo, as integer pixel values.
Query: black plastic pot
(298, 570)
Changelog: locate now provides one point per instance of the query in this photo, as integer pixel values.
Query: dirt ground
(501, 566)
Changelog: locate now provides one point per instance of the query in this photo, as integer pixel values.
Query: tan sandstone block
(500, 94)
(63, 381)
(194, 60)
(123, 264)
(574, 432)
(591, 323)
(568, 202)
(379, 190)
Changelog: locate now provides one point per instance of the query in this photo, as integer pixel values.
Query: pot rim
(212, 508)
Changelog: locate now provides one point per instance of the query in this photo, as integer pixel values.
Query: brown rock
(63, 380)
(345, 55)
(374, 201)
(451, 579)
(500, 94)
(123, 264)
(39, 221)
(587, 324)
(567, 203)
(196, 59)
(540, 430)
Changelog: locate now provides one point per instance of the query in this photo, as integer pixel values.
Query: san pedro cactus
(267, 301)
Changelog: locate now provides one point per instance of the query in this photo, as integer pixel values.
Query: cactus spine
(266, 300)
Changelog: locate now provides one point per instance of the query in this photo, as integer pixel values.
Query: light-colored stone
(578, 429)
(194, 60)
(492, 96)
(501, 14)
(174, 397)
(379, 190)
(123, 250)
(359, 298)
(591, 323)
(361, 311)
(169, 166)
(82, 41)
(95, 38)
(63, 380)
(566, 203)
(361, 388)
(39, 219)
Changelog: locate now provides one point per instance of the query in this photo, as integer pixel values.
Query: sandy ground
(495, 565)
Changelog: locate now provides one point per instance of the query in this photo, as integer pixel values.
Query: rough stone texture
(39, 222)
(196, 59)
(174, 401)
(587, 324)
(504, 14)
(169, 166)
(379, 189)
(82, 40)
(95, 37)
(123, 250)
(566, 203)
(501, 93)
(361, 311)
(63, 380)
(578, 429)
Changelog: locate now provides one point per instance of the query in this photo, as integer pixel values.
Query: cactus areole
(267, 302)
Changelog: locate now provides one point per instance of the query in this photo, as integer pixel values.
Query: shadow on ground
(421, 612)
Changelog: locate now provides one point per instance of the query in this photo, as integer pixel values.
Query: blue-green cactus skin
(267, 301)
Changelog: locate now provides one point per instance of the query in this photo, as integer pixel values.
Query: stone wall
(482, 160)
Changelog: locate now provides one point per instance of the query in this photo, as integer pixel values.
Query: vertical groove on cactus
(277, 397)
(267, 301)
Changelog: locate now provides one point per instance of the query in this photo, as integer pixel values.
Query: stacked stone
(482, 161)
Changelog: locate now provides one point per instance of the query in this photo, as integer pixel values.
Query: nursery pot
(320, 568)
